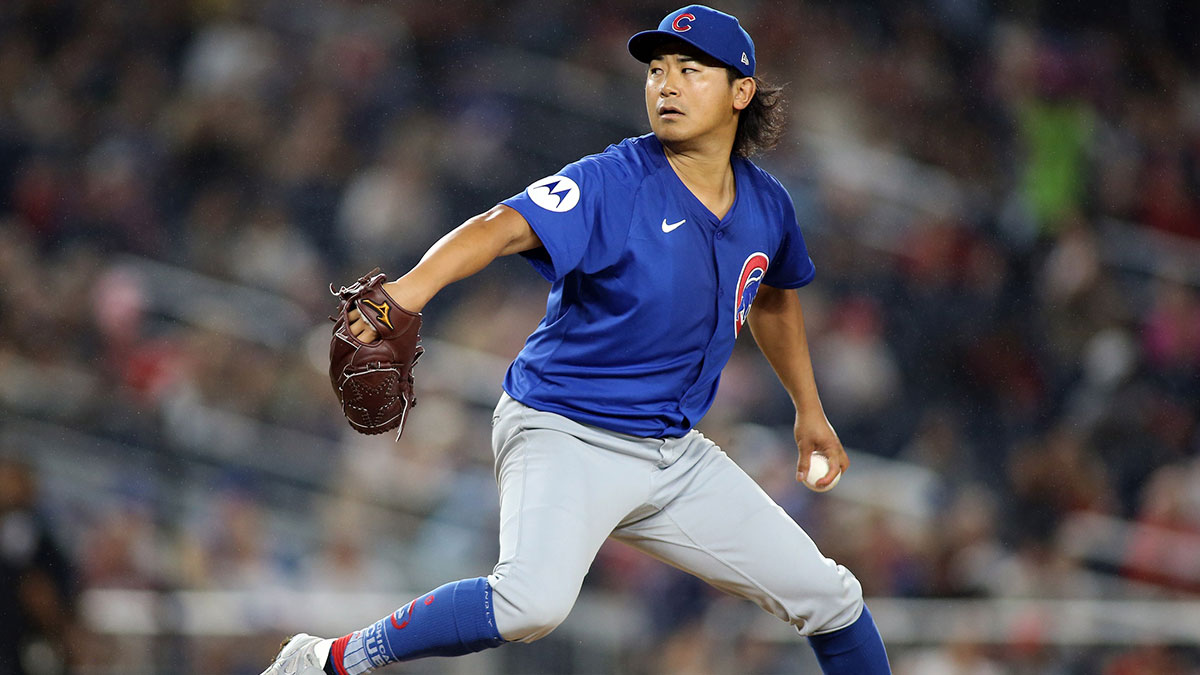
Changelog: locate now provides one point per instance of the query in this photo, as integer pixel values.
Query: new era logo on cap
(715, 33)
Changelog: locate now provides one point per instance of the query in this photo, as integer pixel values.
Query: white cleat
(301, 654)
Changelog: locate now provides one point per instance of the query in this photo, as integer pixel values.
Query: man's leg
(715, 522)
(560, 497)
(451, 620)
(857, 648)
(563, 487)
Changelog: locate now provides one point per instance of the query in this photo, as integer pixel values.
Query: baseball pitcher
(660, 251)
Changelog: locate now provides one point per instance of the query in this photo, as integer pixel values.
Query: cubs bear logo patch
(753, 271)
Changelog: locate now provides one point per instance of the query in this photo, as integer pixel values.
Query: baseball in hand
(818, 466)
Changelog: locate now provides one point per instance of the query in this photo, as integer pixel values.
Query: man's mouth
(670, 112)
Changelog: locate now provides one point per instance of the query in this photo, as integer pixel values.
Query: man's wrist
(811, 412)
(407, 294)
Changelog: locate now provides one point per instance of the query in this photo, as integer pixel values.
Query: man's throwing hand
(814, 434)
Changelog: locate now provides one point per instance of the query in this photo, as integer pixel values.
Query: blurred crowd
(975, 311)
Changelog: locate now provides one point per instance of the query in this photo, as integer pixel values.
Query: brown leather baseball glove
(374, 382)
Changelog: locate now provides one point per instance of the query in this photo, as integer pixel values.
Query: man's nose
(668, 86)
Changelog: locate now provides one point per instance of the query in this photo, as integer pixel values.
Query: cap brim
(643, 44)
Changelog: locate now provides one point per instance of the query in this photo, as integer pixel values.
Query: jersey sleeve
(568, 212)
(791, 267)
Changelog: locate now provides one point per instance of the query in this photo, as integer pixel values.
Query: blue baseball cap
(715, 33)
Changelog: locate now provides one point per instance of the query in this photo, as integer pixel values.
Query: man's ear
(743, 92)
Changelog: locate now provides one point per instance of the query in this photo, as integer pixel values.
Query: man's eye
(690, 70)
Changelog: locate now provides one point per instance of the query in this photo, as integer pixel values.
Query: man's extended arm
(777, 322)
(462, 252)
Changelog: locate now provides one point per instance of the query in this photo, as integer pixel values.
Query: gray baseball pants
(565, 487)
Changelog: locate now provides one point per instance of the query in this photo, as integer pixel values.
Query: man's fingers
(362, 330)
(839, 461)
(802, 465)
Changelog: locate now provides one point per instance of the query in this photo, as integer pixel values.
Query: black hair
(760, 124)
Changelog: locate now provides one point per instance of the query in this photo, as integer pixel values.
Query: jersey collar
(658, 156)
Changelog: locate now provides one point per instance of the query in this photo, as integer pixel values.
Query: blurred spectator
(37, 583)
(1172, 331)
(1055, 126)
(399, 193)
(1169, 516)
(857, 371)
(1050, 478)
(966, 549)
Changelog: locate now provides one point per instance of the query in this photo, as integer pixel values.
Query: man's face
(688, 94)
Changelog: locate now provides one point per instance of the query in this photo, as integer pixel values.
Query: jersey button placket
(692, 391)
(719, 234)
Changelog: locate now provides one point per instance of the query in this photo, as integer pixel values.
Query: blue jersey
(649, 288)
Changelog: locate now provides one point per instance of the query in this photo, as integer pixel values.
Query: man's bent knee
(533, 624)
(525, 616)
(830, 606)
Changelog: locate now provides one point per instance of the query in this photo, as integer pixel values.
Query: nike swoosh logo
(672, 226)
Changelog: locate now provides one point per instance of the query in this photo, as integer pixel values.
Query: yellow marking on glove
(383, 310)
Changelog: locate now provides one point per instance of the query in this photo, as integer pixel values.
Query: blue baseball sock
(451, 620)
(856, 649)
